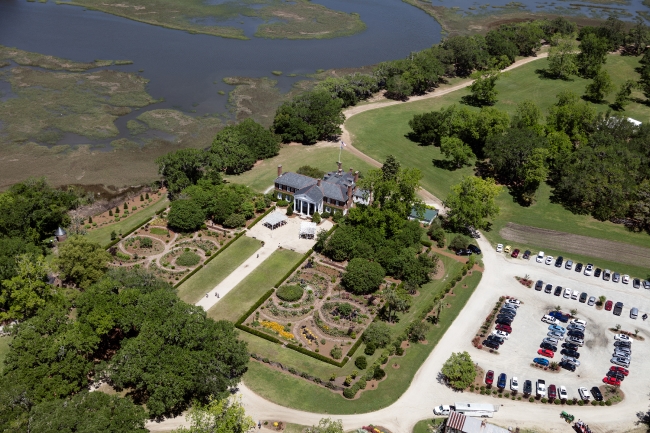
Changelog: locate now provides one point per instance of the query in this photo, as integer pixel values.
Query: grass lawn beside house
(192, 290)
(258, 282)
(426, 425)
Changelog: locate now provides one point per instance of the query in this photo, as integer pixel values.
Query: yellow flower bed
(279, 329)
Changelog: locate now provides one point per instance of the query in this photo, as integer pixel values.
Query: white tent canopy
(307, 230)
(274, 220)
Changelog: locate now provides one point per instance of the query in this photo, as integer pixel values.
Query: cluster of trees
(235, 149)
(131, 331)
(377, 239)
(459, 370)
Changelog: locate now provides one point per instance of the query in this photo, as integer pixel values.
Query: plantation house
(335, 191)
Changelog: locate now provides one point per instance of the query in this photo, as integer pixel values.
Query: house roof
(295, 180)
(331, 190)
(59, 232)
(312, 192)
(466, 424)
(360, 193)
(429, 215)
(333, 186)
(345, 178)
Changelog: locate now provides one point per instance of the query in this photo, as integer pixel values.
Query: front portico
(304, 205)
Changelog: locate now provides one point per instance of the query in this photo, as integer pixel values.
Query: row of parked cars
(503, 328)
(552, 392)
(572, 338)
(622, 355)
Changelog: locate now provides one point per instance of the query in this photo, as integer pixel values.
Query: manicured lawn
(381, 132)
(424, 425)
(292, 157)
(103, 235)
(218, 269)
(246, 293)
(4, 349)
(290, 391)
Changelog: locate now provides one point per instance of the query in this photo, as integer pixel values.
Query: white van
(540, 257)
(575, 294)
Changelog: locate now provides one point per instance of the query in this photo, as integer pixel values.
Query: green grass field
(381, 132)
(218, 269)
(292, 157)
(103, 235)
(290, 391)
(246, 293)
(425, 425)
(4, 349)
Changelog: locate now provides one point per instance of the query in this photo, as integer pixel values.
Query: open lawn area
(297, 393)
(216, 270)
(4, 349)
(293, 157)
(258, 282)
(426, 425)
(103, 235)
(381, 132)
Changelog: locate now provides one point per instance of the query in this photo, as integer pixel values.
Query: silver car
(576, 327)
(622, 352)
(616, 277)
(556, 335)
(575, 340)
(623, 362)
(592, 301)
(551, 341)
(571, 360)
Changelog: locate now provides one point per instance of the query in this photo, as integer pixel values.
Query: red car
(608, 306)
(515, 253)
(552, 392)
(504, 328)
(489, 377)
(625, 371)
(611, 381)
(547, 353)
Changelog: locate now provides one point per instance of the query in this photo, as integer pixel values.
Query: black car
(597, 272)
(491, 344)
(623, 344)
(578, 267)
(595, 392)
(506, 312)
(571, 353)
(636, 283)
(576, 334)
(526, 255)
(570, 346)
(583, 297)
(617, 374)
(503, 321)
(558, 291)
(558, 261)
(528, 387)
(548, 288)
(463, 252)
(474, 249)
(618, 308)
(548, 346)
(568, 366)
(539, 284)
(505, 317)
(496, 338)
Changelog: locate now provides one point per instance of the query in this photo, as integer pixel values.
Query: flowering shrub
(277, 328)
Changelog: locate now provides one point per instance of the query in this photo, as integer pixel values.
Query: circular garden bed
(142, 246)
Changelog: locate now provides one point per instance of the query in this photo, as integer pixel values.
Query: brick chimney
(350, 195)
(356, 176)
(340, 165)
(318, 182)
(279, 170)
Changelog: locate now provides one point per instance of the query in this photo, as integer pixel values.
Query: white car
(578, 322)
(501, 334)
(622, 337)
(499, 248)
(514, 383)
(575, 340)
(567, 293)
(585, 394)
(513, 301)
(561, 392)
(540, 257)
(541, 388)
(549, 319)
(571, 360)
(575, 295)
(549, 260)
(589, 269)
(625, 279)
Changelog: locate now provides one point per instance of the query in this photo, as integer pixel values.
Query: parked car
(578, 322)
(567, 293)
(622, 352)
(576, 334)
(623, 362)
(503, 321)
(622, 344)
(548, 288)
(578, 267)
(549, 260)
(526, 255)
(571, 360)
(501, 382)
(501, 334)
(597, 272)
(618, 308)
(568, 264)
(608, 305)
(646, 284)
(570, 346)
(491, 344)
(616, 277)
(538, 285)
(507, 249)
(540, 257)
(575, 294)
(611, 381)
(616, 375)
(585, 395)
(598, 396)
(575, 327)
(552, 392)
(636, 283)
(507, 310)
(555, 334)
(607, 274)
(622, 370)
(505, 316)
(557, 328)
(541, 387)
(576, 340)
(592, 301)
(528, 385)
(558, 261)
(514, 383)
(489, 377)
(559, 316)
(515, 253)
(497, 340)
(548, 346)
(568, 366)
(589, 269)
(541, 361)
(571, 353)
(504, 328)
(622, 337)
(558, 291)
(562, 392)
(463, 252)
(546, 352)
(499, 248)
(549, 319)
(551, 341)
(511, 307)
(474, 249)
(634, 313)
(513, 301)
(583, 297)
(625, 279)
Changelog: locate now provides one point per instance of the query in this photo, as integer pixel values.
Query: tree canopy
(218, 416)
(186, 215)
(472, 202)
(459, 370)
(362, 276)
(81, 261)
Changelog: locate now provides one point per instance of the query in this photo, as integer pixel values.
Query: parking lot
(516, 355)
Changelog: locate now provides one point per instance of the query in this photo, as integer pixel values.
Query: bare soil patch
(585, 245)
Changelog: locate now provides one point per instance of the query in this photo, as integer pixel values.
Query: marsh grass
(26, 58)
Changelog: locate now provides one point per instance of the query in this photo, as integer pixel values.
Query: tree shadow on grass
(544, 74)
(445, 165)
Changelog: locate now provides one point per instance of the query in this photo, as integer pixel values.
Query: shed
(427, 218)
(274, 220)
